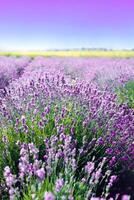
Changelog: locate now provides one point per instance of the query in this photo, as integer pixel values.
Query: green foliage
(73, 118)
(126, 94)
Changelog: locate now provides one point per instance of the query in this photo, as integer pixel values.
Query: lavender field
(66, 128)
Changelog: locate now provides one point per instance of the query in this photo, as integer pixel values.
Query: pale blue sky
(49, 24)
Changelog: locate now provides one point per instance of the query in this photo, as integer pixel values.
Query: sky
(66, 24)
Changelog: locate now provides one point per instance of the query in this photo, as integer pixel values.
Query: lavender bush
(65, 132)
(11, 68)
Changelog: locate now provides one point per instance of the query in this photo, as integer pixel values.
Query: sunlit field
(67, 125)
(74, 53)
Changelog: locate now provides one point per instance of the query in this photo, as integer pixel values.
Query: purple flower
(9, 177)
(125, 197)
(7, 171)
(112, 161)
(89, 167)
(59, 184)
(11, 192)
(70, 197)
(100, 141)
(5, 139)
(97, 198)
(109, 151)
(10, 180)
(40, 174)
(98, 174)
(45, 157)
(49, 196)
(23, 119)
(112, 180)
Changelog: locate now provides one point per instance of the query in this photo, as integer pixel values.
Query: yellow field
(71, 53)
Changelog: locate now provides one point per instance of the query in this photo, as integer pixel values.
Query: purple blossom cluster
(103, 71)
(59, 165)
(63, 133)
(111, 124)
(11, 68)
(10, 180)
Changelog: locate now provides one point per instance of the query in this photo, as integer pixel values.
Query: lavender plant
(63, 133)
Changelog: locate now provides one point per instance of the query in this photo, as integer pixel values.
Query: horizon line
(68, 49)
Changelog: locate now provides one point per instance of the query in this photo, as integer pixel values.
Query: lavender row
(64, 134)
